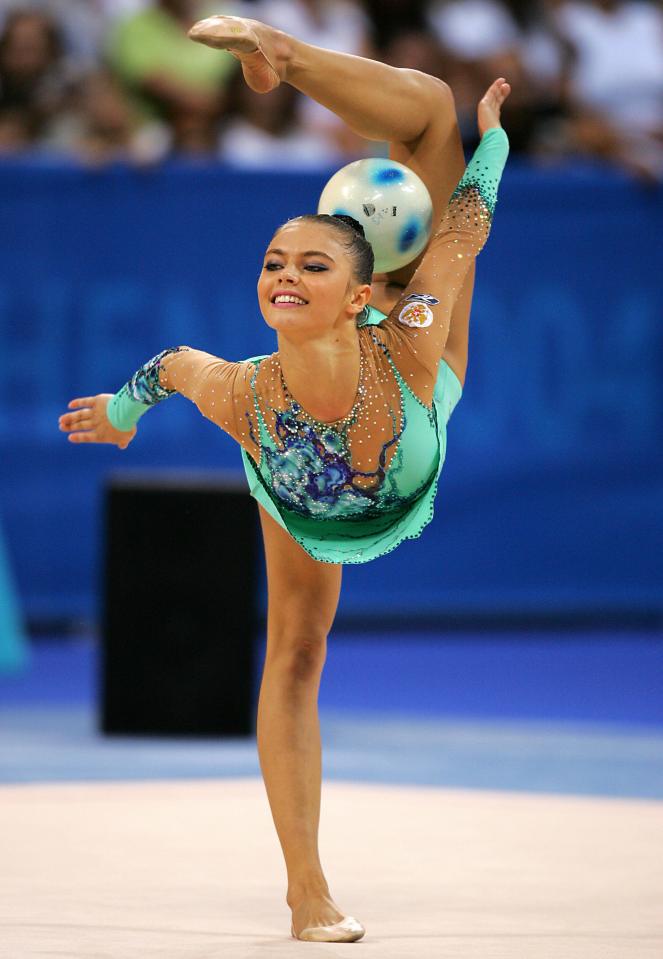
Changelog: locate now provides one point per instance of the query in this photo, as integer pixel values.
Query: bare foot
(262, 50)
(319, 919)
(490, 105)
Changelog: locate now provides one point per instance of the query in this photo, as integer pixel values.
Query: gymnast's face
(307, 285)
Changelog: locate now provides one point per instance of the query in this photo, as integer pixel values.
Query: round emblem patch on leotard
(417, 315)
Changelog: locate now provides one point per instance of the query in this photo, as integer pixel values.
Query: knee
(297, 649)
(438, 93)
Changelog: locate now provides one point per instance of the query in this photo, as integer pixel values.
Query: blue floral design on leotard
(310, 468)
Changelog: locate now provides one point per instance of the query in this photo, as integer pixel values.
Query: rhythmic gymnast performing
(343, 429)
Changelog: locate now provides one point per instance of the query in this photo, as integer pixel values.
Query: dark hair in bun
(351, 234)
(350, 220)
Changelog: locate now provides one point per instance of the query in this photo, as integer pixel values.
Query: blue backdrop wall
(552, 494)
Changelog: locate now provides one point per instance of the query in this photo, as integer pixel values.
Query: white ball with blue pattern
(391, 203)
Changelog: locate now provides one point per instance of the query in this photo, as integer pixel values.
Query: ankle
(292, 56)
(300, 890)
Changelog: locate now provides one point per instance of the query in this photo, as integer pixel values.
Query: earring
(362, 316)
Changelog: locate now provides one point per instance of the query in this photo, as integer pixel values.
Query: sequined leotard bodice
(351, 490)
(379, 457)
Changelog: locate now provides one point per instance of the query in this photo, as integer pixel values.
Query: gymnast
(343, 429)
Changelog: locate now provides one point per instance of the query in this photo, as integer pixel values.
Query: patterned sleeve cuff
(484, 171)
(144, 385)
(141, 392)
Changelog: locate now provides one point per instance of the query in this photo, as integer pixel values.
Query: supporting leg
(302, 600)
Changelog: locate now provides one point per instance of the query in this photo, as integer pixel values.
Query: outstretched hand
(490, 105)
(89, 424)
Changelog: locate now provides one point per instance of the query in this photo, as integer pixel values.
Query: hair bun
(350, 221)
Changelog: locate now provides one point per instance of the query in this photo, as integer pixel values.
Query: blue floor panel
(614, 678)
(580, 715)
(598, 678)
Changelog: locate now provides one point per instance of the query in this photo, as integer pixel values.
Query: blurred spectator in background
(335, 25)
(264, 132)
(476, 37)
(84, 24)
(544, 58)
(34, 79)
(400, 35)
(616, 81)
(392, 19)
(100, 127)
(112, 80)
(482, 39)
(180, 83)
(18, 131)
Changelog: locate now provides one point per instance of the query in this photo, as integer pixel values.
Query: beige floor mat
(192, 870)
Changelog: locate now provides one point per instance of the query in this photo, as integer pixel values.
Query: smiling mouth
(288, 299)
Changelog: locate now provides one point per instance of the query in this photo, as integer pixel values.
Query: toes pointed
(225, 33)
(348, 930)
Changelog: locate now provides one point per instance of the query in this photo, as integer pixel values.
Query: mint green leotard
(412, 478)
(350, 491)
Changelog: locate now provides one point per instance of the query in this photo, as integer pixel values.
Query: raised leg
(302, 600)
(415, 113)
(412, 111)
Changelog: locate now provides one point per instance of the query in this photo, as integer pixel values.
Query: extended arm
(219, 389)
(142, 391)
(420, 320)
